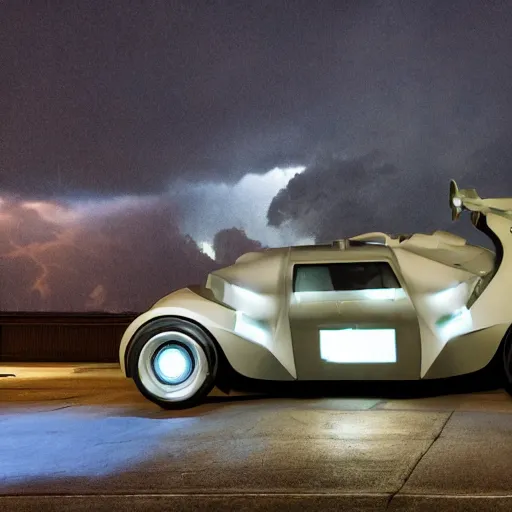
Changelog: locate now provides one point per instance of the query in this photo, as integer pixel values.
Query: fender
(195, 304)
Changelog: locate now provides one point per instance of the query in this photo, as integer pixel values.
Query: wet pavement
(83, 438)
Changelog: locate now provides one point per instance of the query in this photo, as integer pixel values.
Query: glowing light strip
(358, 345)
(250, 329)
(377, 294)
(454, 324)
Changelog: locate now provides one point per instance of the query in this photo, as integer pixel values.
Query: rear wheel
(173, 363)
(507, 362)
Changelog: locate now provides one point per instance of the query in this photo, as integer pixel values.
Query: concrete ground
(83, 438)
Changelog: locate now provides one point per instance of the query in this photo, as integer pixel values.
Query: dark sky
(193, 106)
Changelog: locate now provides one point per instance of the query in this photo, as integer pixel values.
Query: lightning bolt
(32, 252)
(36, 252)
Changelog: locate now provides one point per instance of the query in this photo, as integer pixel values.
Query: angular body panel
(317, 317)
(467, 353)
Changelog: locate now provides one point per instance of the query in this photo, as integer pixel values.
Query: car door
(352, 320)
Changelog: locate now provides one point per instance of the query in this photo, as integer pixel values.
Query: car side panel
(437, 292)
(494, 306)
(468, 353)
(307, 319)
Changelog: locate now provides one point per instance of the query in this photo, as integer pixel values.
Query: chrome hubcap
(172, 366)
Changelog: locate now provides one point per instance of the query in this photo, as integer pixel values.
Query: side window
(312, 278)
(344, 277)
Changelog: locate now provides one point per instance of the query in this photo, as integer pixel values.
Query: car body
(371, 307)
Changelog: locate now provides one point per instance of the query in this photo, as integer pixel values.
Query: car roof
(334, 253)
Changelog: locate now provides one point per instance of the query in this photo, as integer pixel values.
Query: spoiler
(468, 199)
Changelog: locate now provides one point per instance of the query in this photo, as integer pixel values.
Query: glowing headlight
(457, 202)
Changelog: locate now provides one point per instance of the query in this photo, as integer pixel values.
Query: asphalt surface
(83, 438)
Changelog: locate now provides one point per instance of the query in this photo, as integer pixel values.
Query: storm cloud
(106, 98)
(337, 198)
(134, 134)
(229, 244)
(122, 259)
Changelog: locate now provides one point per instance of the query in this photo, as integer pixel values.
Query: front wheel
(173, 363)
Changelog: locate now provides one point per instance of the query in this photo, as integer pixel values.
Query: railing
(62, 337)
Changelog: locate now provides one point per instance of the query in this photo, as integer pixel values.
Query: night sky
(137, 136)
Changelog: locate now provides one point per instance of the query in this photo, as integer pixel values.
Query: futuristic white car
(373, 307)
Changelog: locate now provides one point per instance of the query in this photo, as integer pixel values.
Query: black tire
(161, 333)
(507, 362)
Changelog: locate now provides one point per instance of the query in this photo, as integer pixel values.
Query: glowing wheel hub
(173, 364)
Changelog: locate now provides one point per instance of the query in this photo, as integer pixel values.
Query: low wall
(54, 337)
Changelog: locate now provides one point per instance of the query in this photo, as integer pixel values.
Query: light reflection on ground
(88, 432)
(75, 443)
